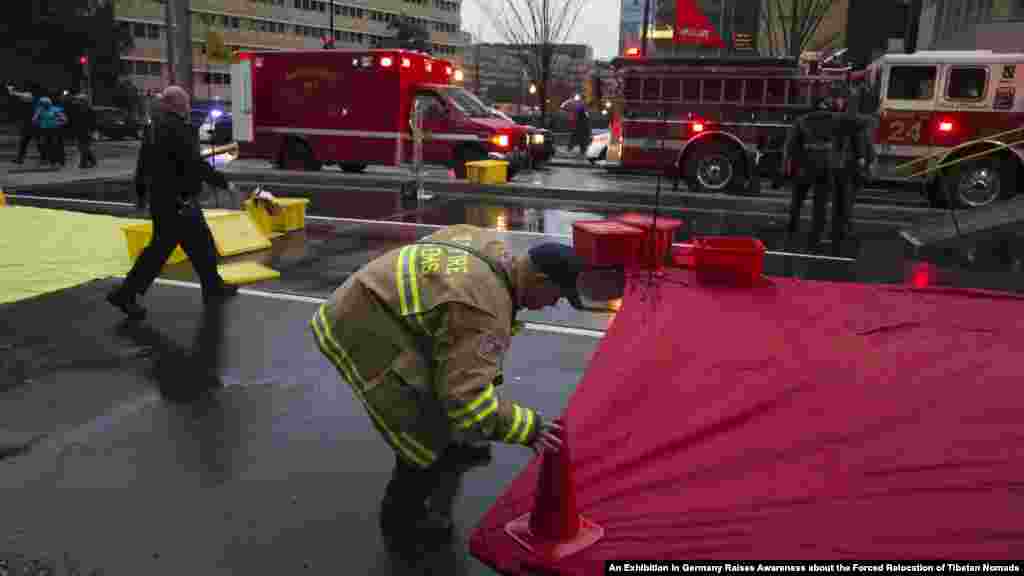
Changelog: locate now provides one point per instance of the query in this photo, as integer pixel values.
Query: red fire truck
(308, 108)
(952, 121)
(716, 123)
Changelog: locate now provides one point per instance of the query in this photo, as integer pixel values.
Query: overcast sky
(598, 25)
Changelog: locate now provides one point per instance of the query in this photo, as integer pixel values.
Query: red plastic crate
(731, 259)
(663, 237)
(607, 242)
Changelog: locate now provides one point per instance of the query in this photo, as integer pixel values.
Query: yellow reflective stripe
(420, 447)
(417, 306)
(400, 280)
(414, 287)
(475, 418)
(484, 396)
(516, 420)
(524, 435)
(418, 453)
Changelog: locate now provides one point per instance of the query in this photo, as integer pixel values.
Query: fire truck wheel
(713, 167)
(977, 183)
(353, 167)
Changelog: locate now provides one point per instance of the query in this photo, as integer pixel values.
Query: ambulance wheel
(713, 167)
(297, 155)
(467, 154)
(353, 167)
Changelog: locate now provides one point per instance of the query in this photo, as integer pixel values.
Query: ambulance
(952, 122)
(306, 109)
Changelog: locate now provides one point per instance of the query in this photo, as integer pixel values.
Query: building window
(966, 84)
(911, 82)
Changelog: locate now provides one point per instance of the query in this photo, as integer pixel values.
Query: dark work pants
(822, 180)
(188, 227)
(86, 158)
(29, 132)
(842, 207)
(411, 486)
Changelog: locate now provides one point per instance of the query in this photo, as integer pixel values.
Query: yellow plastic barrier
(289, 216)
(246, 273)
(487, 171)
(235, 233)
(138, 235)
(3, 199)
(292, 214)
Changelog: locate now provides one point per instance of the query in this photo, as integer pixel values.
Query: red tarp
(693, 27)
(802, 420)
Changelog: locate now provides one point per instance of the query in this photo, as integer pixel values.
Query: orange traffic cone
(555, 529)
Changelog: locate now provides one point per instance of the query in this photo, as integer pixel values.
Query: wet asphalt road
(277, 471)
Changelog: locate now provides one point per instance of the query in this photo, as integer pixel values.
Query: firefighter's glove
(548, 438)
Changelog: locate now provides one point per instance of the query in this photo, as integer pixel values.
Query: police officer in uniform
(169, 175)
(420, 334)
(818, 154)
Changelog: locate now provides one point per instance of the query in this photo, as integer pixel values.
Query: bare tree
(791, 25)
(534, 27)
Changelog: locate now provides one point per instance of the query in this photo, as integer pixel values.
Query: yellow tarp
(44, 250)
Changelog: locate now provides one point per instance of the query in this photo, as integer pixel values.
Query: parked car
(598, 149)
(116, 124)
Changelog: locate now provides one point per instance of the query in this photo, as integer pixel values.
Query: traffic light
(328, 43)
(83, 60)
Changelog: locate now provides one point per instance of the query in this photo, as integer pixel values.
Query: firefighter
(861, 158)
(420, 334)
(817, 154)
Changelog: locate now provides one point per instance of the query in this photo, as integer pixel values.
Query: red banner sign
(693, 27)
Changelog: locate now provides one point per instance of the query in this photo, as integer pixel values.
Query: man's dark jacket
(835, 139)
(81, 119)
(170, 167)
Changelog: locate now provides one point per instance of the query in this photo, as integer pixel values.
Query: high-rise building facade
(971, 24)
(273, 25)
(736, 21)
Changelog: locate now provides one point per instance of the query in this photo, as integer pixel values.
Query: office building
(996, 25)
(273, 25)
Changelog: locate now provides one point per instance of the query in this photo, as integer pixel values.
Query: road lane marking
(288, 297)
(439, 226)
